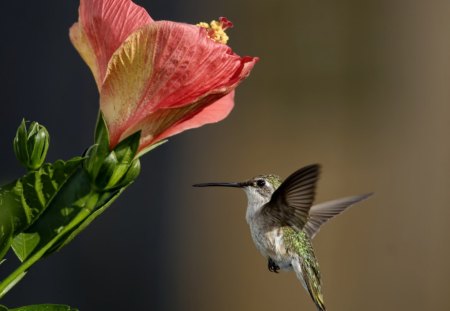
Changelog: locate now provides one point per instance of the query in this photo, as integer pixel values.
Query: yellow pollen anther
(216, 30)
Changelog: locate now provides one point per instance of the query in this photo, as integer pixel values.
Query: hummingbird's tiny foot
(273, 267)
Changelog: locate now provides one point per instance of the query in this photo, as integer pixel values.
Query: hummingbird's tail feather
(321, 213)
(308, 274)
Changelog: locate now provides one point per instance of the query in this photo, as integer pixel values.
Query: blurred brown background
(362, 87)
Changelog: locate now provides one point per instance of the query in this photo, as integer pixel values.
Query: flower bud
(114, 173)
(133, 172)
(117, 167)
(31, 145)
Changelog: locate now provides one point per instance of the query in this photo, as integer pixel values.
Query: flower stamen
(216, 29)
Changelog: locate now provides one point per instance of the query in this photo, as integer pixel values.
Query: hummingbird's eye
(260, 183)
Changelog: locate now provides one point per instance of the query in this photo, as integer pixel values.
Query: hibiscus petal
(102, 27)
(177, 120)
(167, 65)
(213, 113)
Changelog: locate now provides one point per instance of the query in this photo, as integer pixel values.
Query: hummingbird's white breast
(270, 241)
(267, 238)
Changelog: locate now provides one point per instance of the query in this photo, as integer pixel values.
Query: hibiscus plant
(155, 79)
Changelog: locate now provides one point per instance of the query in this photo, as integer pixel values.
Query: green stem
(17, 274)
(83, 218)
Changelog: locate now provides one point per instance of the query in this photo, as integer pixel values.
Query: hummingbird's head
(259, 189)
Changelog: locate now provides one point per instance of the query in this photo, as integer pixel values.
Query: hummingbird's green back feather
(305, 263)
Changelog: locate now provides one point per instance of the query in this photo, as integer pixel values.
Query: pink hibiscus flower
(160, 77)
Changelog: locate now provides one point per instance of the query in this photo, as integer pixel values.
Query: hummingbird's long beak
(222, 184)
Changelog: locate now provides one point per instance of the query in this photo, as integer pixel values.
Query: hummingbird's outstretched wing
(321, 213)
(290, 203)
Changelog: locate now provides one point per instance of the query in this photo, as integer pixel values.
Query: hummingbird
(283, 221)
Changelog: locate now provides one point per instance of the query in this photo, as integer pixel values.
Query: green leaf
(26, 199)
(24, 243)
(44, 307)
(22, 201)
(75, 199)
